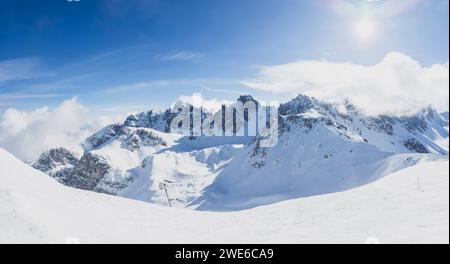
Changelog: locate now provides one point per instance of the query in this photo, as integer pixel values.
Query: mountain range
(322, 148)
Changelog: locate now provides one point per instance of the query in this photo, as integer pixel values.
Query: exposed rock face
(415, 146)
(57, 163)
(131, 138)
(246, 98)
(383, 124)
(136, 139)
(90, 170)
(56, 157)
(298, 105)
(104, 135)
(83, 173)
(158, 120)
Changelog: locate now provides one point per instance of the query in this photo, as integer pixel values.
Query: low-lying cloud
(28, 133)
(397, 84)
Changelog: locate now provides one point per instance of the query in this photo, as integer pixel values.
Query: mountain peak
(299, 104)
(246, 98)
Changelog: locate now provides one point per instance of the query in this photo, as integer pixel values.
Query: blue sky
(136, 54)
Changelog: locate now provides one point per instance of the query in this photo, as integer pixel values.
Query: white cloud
(27, 134)
(197, 100)
(396, 84)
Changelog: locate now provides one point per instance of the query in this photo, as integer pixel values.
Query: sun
(365, 30)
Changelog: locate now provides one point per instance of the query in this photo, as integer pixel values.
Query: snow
(410, 205)
(186, 176)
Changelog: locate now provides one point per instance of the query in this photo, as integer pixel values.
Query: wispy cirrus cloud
(22, 69)
(17, 99)
(12, 96)
(198, 83)
(184, 55)
(379, 8)
(225, 91)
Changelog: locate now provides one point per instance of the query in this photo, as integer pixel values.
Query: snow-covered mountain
(408, 206)
(322, 148)
(445, 116)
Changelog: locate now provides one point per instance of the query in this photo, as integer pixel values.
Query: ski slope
(408, 206)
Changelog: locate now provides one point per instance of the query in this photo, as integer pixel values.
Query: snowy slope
(394, 209)
(316, 167)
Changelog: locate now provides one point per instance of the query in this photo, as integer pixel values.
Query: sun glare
(365, 30)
